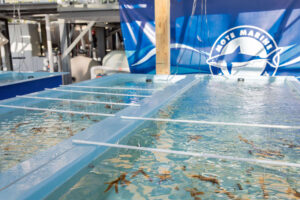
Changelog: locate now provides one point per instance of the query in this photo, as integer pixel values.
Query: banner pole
(162, 29)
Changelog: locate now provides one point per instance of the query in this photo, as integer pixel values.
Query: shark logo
(244, 50)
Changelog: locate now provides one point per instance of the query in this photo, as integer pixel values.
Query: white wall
(24, 41)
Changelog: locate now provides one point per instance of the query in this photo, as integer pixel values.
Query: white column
(49, 43)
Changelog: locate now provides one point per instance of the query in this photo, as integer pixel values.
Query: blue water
(24, 133)
(171, 176)
(7, 78)
(270, 103)
(11, 77)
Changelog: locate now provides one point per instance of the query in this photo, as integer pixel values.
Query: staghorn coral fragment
(263, 187)
(208, 179)
(194, 192)
(120, 180)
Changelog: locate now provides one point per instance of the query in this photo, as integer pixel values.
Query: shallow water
(24, 133)
(213, 100)
(169, 176)
(30, 132)
(9, 77)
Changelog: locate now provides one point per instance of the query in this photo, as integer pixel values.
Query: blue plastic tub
(19, 83)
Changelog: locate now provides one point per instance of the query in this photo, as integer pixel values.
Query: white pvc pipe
(82, 40)
(102, 93)
(49, 43)
(112, 88)
(58, 111)
(79, 101)
(187, 153)
(212, 123)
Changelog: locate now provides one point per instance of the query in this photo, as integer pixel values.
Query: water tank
(113, 62)
(81, 68)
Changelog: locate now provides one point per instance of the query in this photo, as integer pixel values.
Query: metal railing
(61, 2)
(26, 1)
(99, 2)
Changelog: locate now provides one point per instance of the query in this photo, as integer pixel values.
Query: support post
(7, 51)
(49, 43)
(65, 61)
(101, 42)
(1, 64)
(162, 29)
(71, 34)
(44, 38)
(90, 43)
(82, 41)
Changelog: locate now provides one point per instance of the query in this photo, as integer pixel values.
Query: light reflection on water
(175, 177)
(9, 78)
(90, 183)
(25, 133)
(30, 132)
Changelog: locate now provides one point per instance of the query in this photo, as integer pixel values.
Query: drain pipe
(49, 43)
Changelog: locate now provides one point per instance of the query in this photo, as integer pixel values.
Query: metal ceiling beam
(109, 16)
(99, 13)
(90, 7)
(28, 8)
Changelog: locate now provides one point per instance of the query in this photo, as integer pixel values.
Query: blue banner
(232, 37)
